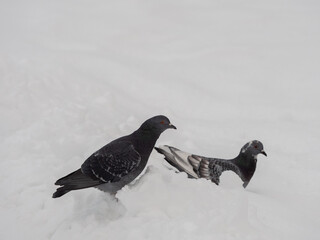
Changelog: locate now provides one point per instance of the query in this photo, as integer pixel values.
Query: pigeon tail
(60, 192)
(73, 181)
(177, 159)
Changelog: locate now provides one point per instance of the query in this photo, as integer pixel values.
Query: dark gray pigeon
(244, 165)
(117, 163)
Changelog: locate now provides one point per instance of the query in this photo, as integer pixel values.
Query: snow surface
(77, 74)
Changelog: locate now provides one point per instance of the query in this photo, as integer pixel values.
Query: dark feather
(73, 181)
(112, 162)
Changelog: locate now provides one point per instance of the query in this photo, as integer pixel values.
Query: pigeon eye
(162, 122)
(255, 146)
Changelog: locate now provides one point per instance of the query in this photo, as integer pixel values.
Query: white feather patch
(181, 159)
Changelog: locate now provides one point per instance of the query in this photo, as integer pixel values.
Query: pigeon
(244, 165)
(117, 163)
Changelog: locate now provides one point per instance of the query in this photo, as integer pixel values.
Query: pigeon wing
(212, 168)
(112, 162)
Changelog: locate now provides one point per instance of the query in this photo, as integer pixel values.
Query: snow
(75, 75)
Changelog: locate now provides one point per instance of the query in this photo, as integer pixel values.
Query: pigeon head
(253, 148)
(157, 124)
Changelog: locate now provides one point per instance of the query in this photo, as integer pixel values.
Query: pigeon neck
(148, 132)
(247, 164)
(146, 139)
(244, 159)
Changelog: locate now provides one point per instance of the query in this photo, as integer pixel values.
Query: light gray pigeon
(244, 165)
(117, 163)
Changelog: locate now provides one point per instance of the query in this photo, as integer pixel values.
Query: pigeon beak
(172, 126)
(263, 152)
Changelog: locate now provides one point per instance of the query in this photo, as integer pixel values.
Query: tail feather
(177, 159)
(74, 181)
(60, 192)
